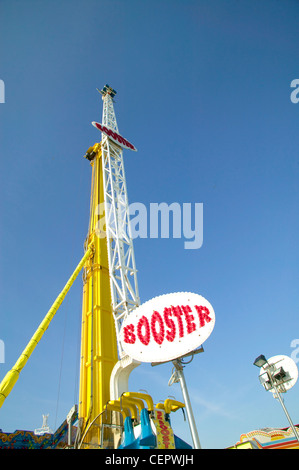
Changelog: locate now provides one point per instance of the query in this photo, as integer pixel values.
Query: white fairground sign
(167, 327)
(114, 136)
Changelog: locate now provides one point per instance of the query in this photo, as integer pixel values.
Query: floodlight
(260, 361)
(278, 379)
(265, 380)
(280, 374)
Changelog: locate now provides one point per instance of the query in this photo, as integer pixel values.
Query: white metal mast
(122, 268)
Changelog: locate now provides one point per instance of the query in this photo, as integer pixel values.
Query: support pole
(12, 376)
(192, 425)
(277, 393)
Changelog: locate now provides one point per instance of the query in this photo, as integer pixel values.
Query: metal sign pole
(286, 412)
(281, 375)
(180, 376)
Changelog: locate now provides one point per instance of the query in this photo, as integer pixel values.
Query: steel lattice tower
(122, 267)
(110, 289)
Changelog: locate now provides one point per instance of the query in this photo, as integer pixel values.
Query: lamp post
(276, 379)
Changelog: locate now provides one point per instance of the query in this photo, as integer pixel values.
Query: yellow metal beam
(144, 396)
(135, 401)
(12, 376)
(119, 406)
(115, 406)
(98, 337)
(172, 405)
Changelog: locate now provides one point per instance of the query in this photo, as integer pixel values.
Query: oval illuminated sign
(114, 136)
(167, 327)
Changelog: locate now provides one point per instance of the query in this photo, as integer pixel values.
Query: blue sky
(203, 92)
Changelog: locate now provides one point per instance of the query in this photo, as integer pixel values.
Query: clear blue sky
(203, 91)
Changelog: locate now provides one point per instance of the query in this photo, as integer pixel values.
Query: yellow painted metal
(144, 396)
(172, 405)
(115, 406)
(165, 436)
(12, 376)
(98, 337)
(135, 401)
(160, 406)
(125, 405)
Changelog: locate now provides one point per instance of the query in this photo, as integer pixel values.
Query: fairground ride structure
(108, 415)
